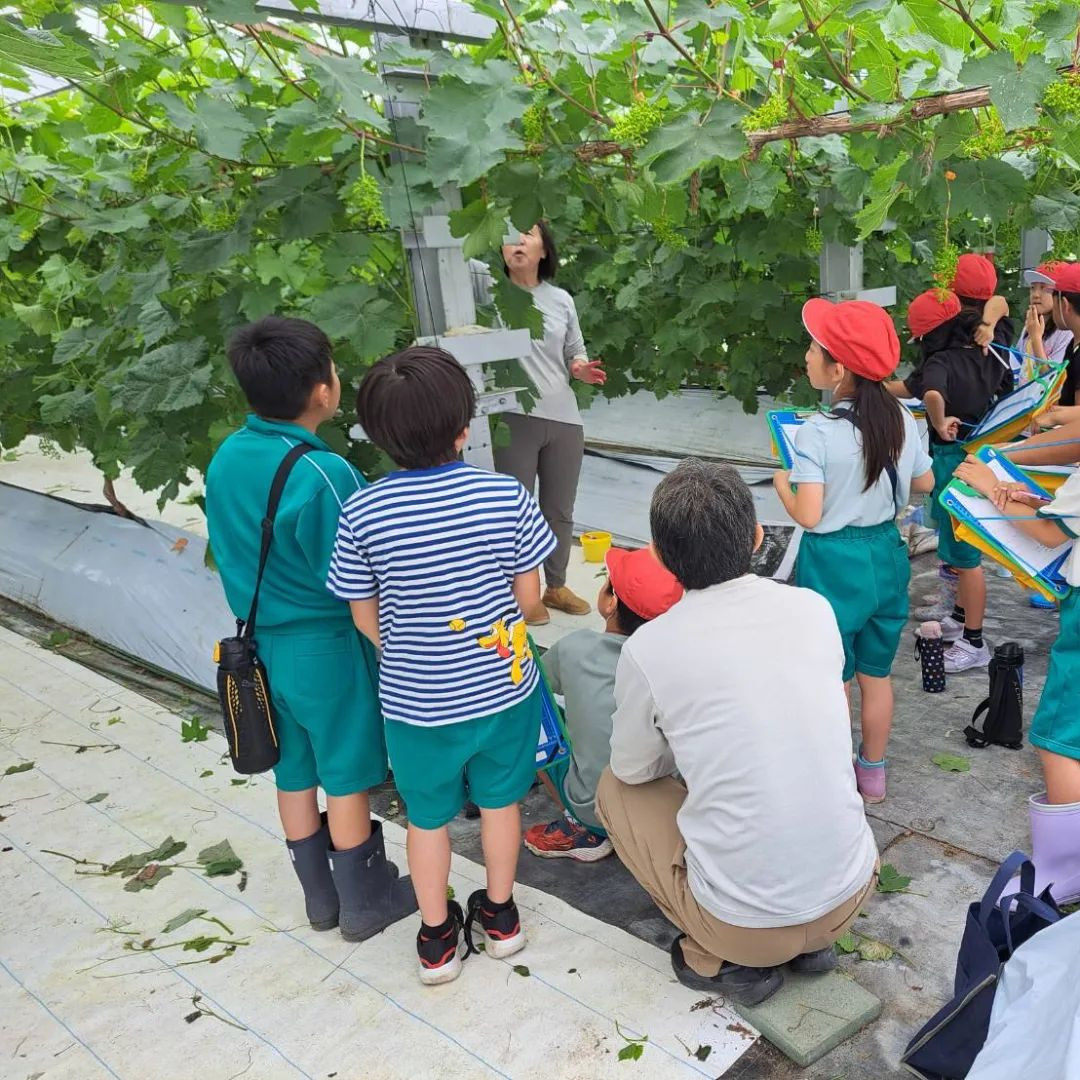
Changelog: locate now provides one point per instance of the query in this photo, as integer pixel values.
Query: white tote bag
(1035, 1023)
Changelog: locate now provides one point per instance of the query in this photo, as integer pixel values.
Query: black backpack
(1004, 708)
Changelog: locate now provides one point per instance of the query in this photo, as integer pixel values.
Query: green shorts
(558, 772)
(864, 574)
(491, 760)
(946, 457)
(1056, 724)
(325, 691)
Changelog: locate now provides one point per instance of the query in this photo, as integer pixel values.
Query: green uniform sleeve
(316, 530)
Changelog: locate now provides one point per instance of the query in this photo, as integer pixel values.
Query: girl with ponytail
(855, 467)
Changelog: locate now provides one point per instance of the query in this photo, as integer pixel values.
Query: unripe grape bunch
(668, 235)
(943, 268)
(770, 113)
(363, 203)
(635, 125)
(1063, 95)
(532, 124)
(813, 240)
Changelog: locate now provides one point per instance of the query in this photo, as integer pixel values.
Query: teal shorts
(1056, 724)
(864, 574)
(325, 692)
(946, 457)
(491, 760)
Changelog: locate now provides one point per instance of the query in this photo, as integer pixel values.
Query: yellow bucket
(595, 545)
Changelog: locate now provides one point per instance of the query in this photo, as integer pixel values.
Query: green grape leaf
(1015, 91)
(678, 147)
(167, 378)
(952, 763)
(891, 881)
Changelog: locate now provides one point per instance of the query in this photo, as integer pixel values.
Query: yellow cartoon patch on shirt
(457, 625)
(512, 643)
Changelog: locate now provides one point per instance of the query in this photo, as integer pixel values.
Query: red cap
(856, 333)
(1065, 277)
(931, 309)
(975, 277)
(641, 583)
(1043, 274)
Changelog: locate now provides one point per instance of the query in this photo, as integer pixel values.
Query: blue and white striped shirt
(440, 548)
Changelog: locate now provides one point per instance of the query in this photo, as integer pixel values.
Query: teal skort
(946, 457)
(1056, 724)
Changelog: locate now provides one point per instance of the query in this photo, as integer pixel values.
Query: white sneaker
(951, 630)
(963, 656)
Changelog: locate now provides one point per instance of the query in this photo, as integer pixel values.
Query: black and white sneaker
(500, 923)
(440, 948)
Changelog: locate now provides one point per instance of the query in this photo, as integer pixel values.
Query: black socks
(973, 637)
(957, 614)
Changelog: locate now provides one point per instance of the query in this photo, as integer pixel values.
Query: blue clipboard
(783, 423)
(552, 745)
(1031, 563)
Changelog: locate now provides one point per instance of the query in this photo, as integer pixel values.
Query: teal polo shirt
(294, 596)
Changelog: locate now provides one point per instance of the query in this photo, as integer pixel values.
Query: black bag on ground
(949, 1042)
(243, 688)
(1004, 708)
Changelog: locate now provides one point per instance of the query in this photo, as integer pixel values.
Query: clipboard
(1048, 477)
(1032, 564)
(1011, 414)
(783, 423)
(915, 407)
(552, 745)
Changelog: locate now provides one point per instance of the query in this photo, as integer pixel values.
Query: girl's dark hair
(880, 420)
(1072, 297)
(626, 619)
(550, 262)
(957, 333)
(414, 404)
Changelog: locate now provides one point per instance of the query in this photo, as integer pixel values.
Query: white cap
(1037, 277)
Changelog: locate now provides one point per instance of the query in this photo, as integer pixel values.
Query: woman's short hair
(550, 261)
(414, 404)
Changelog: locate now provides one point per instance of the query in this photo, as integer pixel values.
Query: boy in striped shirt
(438, 560)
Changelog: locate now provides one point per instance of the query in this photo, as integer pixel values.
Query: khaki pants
(640, 821)
(551, 452)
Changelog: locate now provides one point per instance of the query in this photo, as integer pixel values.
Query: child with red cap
(855, 467)
(957, 382)
(975, 284)
(1042, 337)
(581, 667)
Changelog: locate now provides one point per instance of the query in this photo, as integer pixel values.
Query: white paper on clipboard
(1021, 401)
(1035, 558)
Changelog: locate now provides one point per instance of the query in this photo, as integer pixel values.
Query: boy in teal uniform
(322, 674)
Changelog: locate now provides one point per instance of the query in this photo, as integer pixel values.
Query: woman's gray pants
(551, 452)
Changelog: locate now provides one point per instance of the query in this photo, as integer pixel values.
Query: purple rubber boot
(1055, 848)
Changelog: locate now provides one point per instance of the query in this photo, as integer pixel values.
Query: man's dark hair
(414, 404)
(550, 262)
(278, 362)
(626, 619)
(703, 523)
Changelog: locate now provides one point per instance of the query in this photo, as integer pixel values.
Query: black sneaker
(440, 956)
(814, 963)
(744, 985)
(501, 924)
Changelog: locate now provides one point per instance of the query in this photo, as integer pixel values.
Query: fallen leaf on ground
(219, 860)
(891, 881)
(702, 1052)
(521, 969)
(182, 919)
(869, 949)
(167, 849)
(147, 877)
(193, 730)
(97, 798)
(180, 544)
(847, 943)
(11, 770)
(631, 1051)
(951, 763)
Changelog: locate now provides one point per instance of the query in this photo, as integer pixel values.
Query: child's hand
(1035, 325)
(978, 475)
(1058, 415)
(984, 336)
(781, 480)
(949, 430)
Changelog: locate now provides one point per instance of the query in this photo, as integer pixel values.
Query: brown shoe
(562, 599)
(538, 616)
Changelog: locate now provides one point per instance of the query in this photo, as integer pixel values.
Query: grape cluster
(812, 239)
(989, 141)
(1007, 242)
(1063, 96)
(220, 219)
(138, 170)
(943, 268)
(532, 124)
(363, 202)
(668, 235)
(634, 126)
(768, 114)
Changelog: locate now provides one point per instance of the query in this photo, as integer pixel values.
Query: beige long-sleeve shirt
(738, 688)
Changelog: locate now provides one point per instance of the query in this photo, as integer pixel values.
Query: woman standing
(548, 444)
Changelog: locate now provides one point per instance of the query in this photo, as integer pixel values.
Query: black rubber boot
(744, 985)
(814, 963)
(309, 859)
(372, 895)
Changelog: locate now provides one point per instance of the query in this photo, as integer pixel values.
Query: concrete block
(811, 1014)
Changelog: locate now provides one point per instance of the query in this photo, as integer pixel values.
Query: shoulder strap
(277, 487)
(890, 468)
